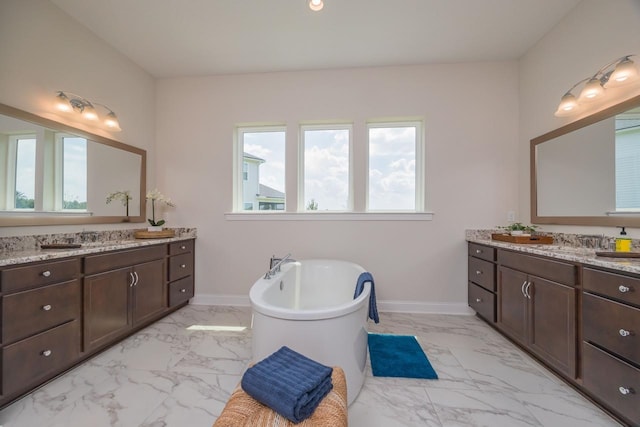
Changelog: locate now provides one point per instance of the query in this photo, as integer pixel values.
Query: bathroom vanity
(60, 307)
(577, 313)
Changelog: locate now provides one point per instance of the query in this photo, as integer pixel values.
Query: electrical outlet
(511, 216)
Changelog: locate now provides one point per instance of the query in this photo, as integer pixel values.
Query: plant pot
(154, 228)
(517, 232)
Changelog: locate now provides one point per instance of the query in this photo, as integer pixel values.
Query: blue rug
(399, 356)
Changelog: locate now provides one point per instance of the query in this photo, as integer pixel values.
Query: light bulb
(112, 121)
(568, 105)
(89, 113)
(62, 102)
(625, 72)
(316, 5)
(592, 91)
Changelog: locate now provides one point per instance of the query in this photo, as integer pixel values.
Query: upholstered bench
(244, 411)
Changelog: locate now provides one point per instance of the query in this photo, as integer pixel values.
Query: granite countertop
(20, 250)
(582, 255)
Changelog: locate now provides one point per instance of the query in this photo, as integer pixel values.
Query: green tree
(22, 202)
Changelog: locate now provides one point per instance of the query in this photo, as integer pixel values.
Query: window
(25, 166)
(260, 155)
(393, 166)
(326, 176)
(74, 173)
(627, 165)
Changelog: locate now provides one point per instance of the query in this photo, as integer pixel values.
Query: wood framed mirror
(588, 172)
(55, 174)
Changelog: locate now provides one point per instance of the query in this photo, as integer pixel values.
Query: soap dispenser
(623, 244)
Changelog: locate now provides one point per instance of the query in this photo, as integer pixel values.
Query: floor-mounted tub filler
(309, 307)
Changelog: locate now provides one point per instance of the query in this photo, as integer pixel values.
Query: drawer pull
(183, 265)
(46, 353)
(478, 272)
(183, 290)
(478, 299)
(625, 390)
(183, 247)
(624, 333)
(46, 307)
(46, 273)
(624, 289)
(478, 251)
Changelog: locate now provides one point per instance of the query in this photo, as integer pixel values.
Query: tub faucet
(275, 263)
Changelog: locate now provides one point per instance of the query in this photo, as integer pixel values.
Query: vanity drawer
(35, 359)
(29, 312)
(181, 247)
(481, 251)
(612, 325)
(112, 261)
(618, 286)
(612, 381)
(33, 275)
(180, 291)
(180, 266)
(482, 301)
(482, 273)
(557, 271)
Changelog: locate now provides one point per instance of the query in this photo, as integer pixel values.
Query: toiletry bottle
(623, 244)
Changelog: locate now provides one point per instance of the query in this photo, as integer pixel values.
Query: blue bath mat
(399, 356)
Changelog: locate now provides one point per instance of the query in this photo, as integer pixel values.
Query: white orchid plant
(157, 196)
(124, 196)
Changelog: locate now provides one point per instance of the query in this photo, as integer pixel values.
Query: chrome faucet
(276, 263)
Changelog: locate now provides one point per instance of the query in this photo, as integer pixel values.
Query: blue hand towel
(289, 383)
(373, 307)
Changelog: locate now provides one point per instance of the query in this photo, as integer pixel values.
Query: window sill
(329, 216)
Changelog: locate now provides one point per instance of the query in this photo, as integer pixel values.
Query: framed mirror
(588, 172)
(54, 174)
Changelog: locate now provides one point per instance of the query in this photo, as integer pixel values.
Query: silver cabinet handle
(526, 290)
(624, 333)
(46, 353)
(46, 307)
(624, 289)
(478, 299)
(522, 288)
(478, 272)
(625, 390)
(135, 273)
(478, 251)
(133, 280)
(183, 290)
(183, 265)
(183, 247)
(46, 273)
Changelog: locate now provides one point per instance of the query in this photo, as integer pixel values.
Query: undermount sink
(619, 254)
(61, 246)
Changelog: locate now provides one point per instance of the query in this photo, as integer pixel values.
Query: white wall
(470, 113)
(43, 50)
(595, 33)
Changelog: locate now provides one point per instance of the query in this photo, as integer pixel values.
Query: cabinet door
(149, 292)
(552, 323)
(512, 304)
(106, 307)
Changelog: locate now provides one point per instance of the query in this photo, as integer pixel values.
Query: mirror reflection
(589, 172)
(53, 174)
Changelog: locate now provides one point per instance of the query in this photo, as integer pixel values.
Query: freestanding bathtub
(309, 307)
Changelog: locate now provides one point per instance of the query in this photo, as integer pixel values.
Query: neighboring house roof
(252, 157)
(270, 193)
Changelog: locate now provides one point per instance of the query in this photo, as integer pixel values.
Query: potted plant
(518, 229)
(124, 196)
(156, 196)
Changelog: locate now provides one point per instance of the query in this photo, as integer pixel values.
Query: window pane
(326, 169)
(627, 165)
(74, 173)
(392, 168)
(25, 173)
(263, 169)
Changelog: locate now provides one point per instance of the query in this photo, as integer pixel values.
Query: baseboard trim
(383, 305)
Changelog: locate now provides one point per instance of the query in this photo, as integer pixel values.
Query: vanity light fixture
(616, 73)
(70, 102)
(316, 5)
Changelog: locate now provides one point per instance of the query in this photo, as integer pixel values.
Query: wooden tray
(619, 254)
(144, 234)
(537, 240)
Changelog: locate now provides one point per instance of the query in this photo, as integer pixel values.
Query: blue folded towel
(289, 383)
(373, 307)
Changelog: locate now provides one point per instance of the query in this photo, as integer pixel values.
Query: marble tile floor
(181, 370)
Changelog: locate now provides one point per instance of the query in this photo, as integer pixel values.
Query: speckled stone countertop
(23, 249)
(567, 247)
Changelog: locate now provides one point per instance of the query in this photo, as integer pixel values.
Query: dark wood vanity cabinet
(57, 313)
(130, 291)
(611, 341)
(482, 281)
(537, 306)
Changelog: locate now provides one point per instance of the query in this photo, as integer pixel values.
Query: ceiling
(170, 38)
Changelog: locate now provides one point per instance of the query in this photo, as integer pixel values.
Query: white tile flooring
(170, 376)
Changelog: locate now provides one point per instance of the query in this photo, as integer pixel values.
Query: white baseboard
(383, 306)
